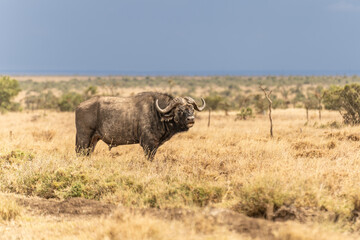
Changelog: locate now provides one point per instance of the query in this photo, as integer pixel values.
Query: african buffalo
(147, 118)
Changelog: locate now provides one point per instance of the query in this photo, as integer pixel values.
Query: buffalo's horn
(173, 103)
(192, 101)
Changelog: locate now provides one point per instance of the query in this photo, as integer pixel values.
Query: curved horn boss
(168, 108)
(196, 107)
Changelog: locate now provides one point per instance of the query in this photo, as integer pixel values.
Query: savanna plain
(230, 180)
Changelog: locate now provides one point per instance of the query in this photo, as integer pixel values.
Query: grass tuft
(9, 209)
(45, 135)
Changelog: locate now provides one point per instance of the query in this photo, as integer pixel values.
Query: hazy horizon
(138, 37)
(179, 73)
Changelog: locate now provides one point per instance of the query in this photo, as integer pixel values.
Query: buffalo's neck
(169, 130)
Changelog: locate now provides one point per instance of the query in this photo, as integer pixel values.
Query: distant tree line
(188, 82)
(225, 93)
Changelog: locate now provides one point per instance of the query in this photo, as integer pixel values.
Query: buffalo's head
(181, 110)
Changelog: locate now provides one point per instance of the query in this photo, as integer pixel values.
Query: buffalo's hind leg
(94, 140)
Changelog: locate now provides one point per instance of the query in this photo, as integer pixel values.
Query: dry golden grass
(308, 173)
(9, 209)
(41, 135)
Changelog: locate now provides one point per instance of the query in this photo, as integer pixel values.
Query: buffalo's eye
(190, 109)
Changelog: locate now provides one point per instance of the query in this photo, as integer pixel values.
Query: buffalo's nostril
(190, 118)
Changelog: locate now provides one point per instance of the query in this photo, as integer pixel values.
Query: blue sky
(180, 36)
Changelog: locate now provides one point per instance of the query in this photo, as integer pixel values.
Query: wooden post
(209, 117)
(320, 108)
(319, 97)
(307, 114)
(267, 95)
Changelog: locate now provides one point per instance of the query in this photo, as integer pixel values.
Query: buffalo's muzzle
(190, 121)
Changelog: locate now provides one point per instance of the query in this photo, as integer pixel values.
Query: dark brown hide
(121, 121)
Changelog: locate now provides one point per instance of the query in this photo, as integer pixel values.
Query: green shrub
(213, 101)
(45, 100)
(332, 99)
(260, 103)
(255, 198)
(244, 114)
(63, 183)
(346, 100)
(69, 101)
(90, 92)
(279, 103)
(199, 196)
(9, 88)
(17, 157)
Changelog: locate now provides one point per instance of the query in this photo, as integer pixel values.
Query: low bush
(63, 183)
(245, 113)
(256, 198)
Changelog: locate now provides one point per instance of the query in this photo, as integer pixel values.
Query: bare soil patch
(213, 217)
(255, 228)
(72, 206)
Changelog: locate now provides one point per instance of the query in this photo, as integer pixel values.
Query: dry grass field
(229, 181)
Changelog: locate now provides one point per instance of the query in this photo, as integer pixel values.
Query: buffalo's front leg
(150, 152)
(150, 147)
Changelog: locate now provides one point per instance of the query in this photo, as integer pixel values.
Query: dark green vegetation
(346, 100)
(9, 88)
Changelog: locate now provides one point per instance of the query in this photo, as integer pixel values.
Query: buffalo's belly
(117, 142)
(118, 136)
